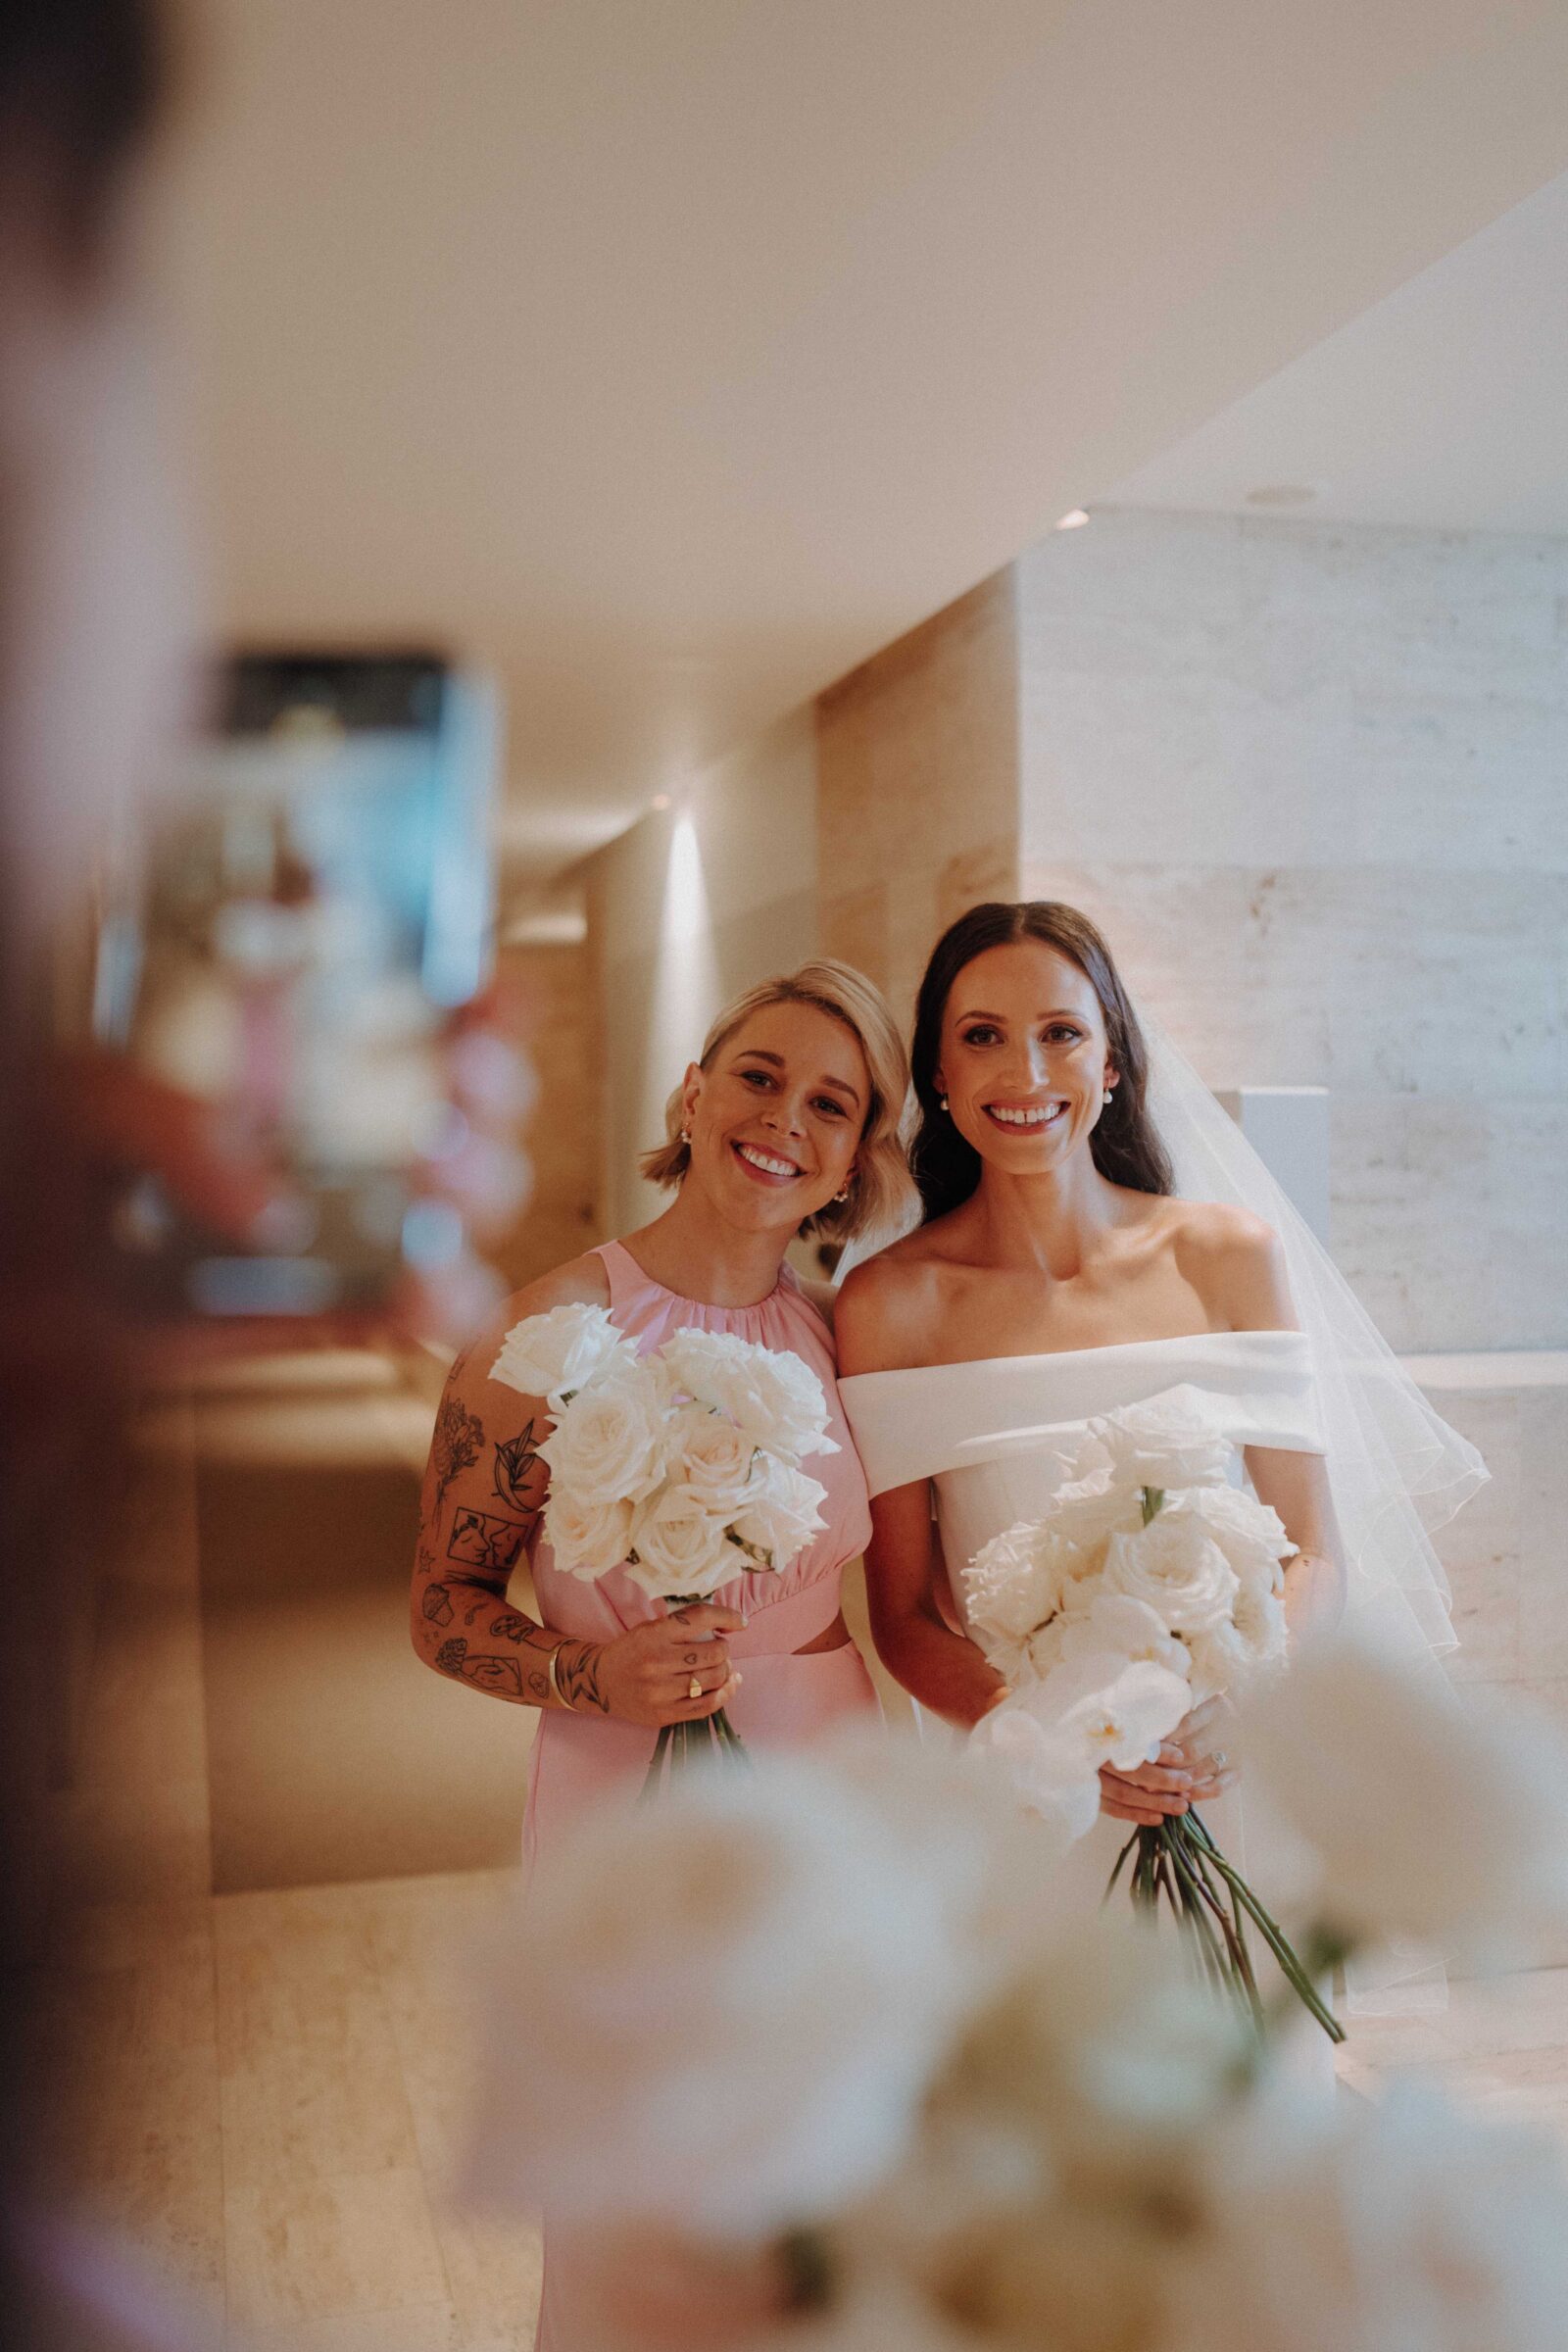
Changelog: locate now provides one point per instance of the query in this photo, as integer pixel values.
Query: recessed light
(1073, 520)
(1282, 493)
(660, 800)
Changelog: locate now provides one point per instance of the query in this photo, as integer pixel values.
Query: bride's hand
(1199, 1739)
(1191, 1768)
(646, 1676)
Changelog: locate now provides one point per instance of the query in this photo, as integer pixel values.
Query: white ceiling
(1443, 406)
(675, 354)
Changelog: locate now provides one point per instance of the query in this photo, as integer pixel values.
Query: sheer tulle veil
(1396, 1468)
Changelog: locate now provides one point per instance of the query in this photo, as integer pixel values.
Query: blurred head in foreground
(91, 615)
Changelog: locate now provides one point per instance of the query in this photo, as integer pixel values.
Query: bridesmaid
(786, 1125)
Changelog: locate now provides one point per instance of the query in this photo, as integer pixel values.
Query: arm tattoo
(504, 1675)
(513, 1626)
(481, 1540)
(515, 1459)
(437, 1604)
(459, 1436)
(578, 1675)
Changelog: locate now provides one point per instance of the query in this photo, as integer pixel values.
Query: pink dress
(784, 1702)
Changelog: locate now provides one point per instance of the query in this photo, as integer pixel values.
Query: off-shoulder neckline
(1063, 1355)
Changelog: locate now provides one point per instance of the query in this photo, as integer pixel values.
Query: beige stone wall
(1311, 781)
(917, 788)
(688, 908)
(554, 989)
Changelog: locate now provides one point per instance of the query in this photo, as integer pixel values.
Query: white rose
(818, 1961)
(609, 1443)
(781, 1512)
(587, 1539)
(1016, 1582)
(1177, 1569)
(1249, 1532)
(681, 1546)
(773, 1395)
(553, 1356)
(1170, 1442)
(706, 1452)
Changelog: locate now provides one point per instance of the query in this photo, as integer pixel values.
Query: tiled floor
(256, 2098)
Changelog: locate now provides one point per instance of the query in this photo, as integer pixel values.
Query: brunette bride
(1064, 1270)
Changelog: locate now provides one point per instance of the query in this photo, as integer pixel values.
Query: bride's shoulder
(1233, 1260)
(885, 1302)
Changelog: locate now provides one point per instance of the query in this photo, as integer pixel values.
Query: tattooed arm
(484, 1492)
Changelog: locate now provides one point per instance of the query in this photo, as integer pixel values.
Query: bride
(1064, 1268)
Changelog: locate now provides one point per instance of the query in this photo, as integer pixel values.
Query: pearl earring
(943, 1100)
(685, 1135)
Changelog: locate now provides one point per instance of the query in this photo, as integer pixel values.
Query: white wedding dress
(995, 1437)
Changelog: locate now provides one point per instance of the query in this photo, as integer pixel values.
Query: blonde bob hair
(881, 1193)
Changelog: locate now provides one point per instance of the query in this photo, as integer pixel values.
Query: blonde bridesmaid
(786, 1124)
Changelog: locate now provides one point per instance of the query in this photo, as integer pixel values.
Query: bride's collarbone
(996, 1312)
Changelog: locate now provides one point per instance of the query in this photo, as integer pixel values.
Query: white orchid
(1435, 1817)
(1396, 2225)
(1055, 1735)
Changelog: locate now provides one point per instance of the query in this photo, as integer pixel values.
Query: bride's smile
(1026, 1065)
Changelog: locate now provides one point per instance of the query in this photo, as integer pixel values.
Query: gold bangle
(554, 1685)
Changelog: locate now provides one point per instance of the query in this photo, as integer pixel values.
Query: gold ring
(693, 1689)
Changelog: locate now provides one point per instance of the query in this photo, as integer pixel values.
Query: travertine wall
(685, 909)
(1314, 783)
(552, 985)
(917, 788)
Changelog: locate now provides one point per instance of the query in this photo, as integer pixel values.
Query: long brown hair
(1125, 1145)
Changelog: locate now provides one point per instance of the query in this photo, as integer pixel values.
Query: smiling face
(1024, 1061)
(775, 1119)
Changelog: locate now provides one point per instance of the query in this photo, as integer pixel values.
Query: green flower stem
(1291, 1966)
(1179, 1864)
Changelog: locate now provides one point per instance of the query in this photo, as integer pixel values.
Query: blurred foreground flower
(1433, 1815)
(815, 2063)
(721, 2010)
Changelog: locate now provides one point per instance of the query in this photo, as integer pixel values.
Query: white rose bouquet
(680, 1467)
(1154, 1585)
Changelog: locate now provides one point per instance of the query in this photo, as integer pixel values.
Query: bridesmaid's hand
(646, 1676)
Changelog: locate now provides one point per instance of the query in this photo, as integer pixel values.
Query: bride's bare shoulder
(886, 1302)
(1236, 1263)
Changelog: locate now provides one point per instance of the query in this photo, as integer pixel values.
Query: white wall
(684, 910)
(1313, 781)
